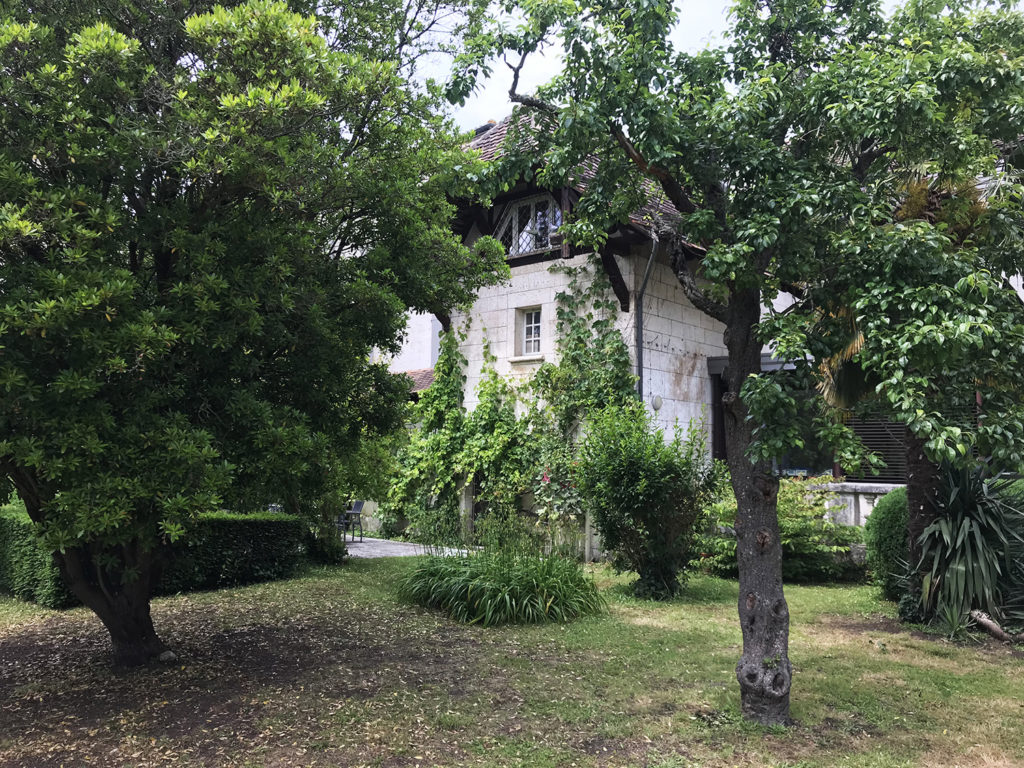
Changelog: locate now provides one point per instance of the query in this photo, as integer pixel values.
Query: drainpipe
(640, 319)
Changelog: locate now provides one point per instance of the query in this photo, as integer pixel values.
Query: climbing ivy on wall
(519, 442)
(425, 487)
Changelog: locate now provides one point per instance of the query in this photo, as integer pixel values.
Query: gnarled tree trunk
(122, 604)
(764, 671)
(118, 594)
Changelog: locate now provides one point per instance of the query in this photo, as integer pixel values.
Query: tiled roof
(490, 143)
(421, 378)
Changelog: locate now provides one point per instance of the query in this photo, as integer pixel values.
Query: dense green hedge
(814, 549)
(888, 548)
(226, 549)
(220, 550)
(26, 570)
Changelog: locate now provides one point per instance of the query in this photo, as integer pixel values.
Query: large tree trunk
(764, 671)
(119, 593)
(121, 604)
(923, 483)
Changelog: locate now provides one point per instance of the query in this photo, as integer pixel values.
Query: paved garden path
(384, 548)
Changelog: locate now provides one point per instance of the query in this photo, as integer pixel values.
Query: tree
(786, 155)
(935, 328)
(208, 221)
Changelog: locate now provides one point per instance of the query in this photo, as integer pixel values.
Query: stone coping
(853, 487)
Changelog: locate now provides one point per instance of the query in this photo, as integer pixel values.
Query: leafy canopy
(208, 222)
(792, 155)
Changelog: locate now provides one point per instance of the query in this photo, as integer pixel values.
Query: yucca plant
(969, 553)
(499, 588)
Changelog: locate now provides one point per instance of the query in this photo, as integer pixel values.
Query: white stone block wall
(496, 317)
(855, 501)
(420, 346)
(678, 338)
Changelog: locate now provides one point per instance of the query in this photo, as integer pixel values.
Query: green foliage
(225, 549)
(647, 495)
(27, 570)
(500, 588)
(814, 549)
(888, 550)
(517, 441)
(425, 488)
(220, 550)
(967, 553)
(203, 234)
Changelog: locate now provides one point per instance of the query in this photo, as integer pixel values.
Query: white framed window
(531, 331)
(528, 225)
(528, 335)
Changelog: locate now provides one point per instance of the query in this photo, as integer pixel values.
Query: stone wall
(678, 338)
(856, 500)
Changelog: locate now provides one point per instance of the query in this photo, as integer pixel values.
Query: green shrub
(323, 541)
(27, 571)
(646, 495)
(814, 549)
(888, 549)
(968, 554)
(500, 588)
(220, 550)
(224, 549)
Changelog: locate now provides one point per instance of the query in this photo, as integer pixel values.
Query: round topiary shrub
(646, 495)
(888, 549)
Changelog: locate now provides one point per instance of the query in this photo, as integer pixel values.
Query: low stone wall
(856, 500)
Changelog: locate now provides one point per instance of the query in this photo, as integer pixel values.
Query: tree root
(989, 624)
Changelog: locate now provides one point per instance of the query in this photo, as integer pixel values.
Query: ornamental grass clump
(492, 588)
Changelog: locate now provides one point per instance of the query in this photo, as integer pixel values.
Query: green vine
(518, 446)
(425, 488)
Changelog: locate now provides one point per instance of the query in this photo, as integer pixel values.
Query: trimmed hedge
(888, 548)
(225, 550)
(27, 571)
(220, 550)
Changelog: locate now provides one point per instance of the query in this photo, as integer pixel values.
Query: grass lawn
(331, 670)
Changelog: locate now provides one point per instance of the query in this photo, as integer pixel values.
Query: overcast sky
(701, 22)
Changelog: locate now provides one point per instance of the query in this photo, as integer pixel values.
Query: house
(677, 351)
(518, 320)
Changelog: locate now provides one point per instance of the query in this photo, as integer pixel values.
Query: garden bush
(220, 550)
(224, 549)
(970, 553)
(646, 495)
(492, 588)
(888, 548)
(27, 571)
(814, 549)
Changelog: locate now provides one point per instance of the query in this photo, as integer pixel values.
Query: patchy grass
(331, 669)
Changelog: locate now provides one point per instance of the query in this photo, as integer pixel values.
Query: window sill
(534, 358)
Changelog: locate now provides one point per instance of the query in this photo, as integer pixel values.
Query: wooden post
(588, 546)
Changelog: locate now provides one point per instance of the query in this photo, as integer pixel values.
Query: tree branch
(867, 154)
(697, 297)
(519, 98)
(673, 189)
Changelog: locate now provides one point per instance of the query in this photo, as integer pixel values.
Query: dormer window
(528, 226)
